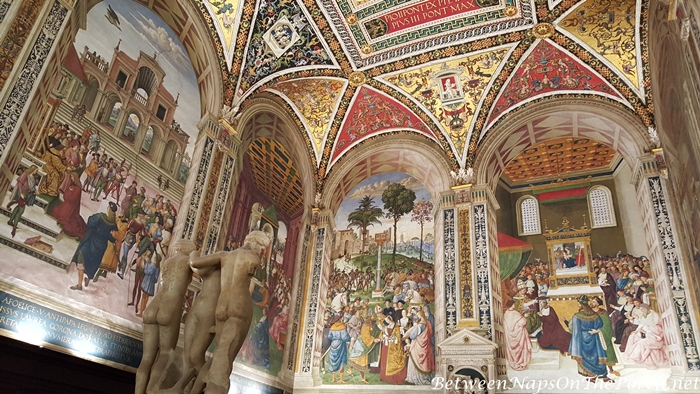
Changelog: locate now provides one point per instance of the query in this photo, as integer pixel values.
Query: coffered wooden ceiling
(275, 175)
(560, 158)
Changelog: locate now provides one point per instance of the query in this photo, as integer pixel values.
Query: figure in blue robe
(92, 247)
(338, 351)
(586, 346)
(261, 342)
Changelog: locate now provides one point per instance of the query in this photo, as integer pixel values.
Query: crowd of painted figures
(625, 316)
(134, 232)
(390, 337)
(532, 281)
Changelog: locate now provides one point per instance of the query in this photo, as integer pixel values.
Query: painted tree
(365, 215)
(398, 201)
(422, 214)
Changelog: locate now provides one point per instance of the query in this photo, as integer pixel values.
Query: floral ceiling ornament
(510, 11)
(543, 30)
(351, 19)
(357, 78)
(463, 176)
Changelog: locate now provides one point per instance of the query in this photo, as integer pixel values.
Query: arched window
(148, 141)
(528, 216)
(115, 109)
(131, 127)
(600, 207)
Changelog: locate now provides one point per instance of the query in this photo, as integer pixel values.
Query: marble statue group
(222, 312)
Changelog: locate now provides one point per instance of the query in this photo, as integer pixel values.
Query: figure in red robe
(67, 213)
(553, 334)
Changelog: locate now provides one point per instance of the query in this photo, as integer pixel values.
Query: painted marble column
(44, 32)
(669, 265)
(314, 307)
(208, 186)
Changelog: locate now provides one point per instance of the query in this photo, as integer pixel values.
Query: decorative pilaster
(28, 77)
(207, 192)
(449, 218)
(314, 307)
(669, 267)
(218, 186)
(194, 187)
(228, 143)
(467, 314)
(487, 270)
(292, 351)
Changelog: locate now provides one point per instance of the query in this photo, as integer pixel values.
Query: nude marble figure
(234, 308)
(161, 319)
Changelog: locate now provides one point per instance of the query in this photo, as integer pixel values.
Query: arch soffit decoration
(577, 118)
(188, 25)
(263, 118)
(413, 155)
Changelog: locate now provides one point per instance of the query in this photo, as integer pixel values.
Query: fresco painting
(92, 207)
(601, 330)
(271, 289)
(379, 322)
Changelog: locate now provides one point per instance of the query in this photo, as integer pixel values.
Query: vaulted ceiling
(445, 70)
(275, 175)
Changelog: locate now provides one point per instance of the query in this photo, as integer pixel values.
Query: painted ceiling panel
(609, 28)
(453, 91)
(377, 32)
(282, 38)
(545, 70)
(558, 158)
(275, 175)
(372, 113)
(226, 17)
(316, 101)
(398, 54)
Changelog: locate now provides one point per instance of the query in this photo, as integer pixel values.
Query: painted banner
(426, 12)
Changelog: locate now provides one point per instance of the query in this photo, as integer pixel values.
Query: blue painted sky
(142, 30)
(374, 187)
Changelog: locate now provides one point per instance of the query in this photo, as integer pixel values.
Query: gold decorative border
(465, 265)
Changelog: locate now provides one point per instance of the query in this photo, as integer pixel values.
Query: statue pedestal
(377, 293)
(544, 359)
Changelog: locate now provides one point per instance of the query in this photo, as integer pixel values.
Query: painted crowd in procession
(379, 321)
